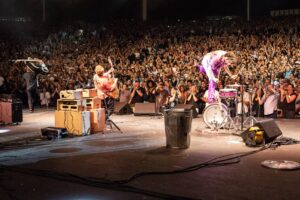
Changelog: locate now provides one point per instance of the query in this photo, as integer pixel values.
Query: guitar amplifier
(11, 112)
(92, 103)
(97, 120)
(69, 104)
(70, 94)
(1, 111)
(76, 123)
(88, 93)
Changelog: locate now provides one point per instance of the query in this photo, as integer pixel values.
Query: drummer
(212, 63)
(205, 97)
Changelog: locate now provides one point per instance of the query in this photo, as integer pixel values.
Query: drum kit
(224, 114)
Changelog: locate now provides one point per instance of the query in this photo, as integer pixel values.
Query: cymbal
(235, 85)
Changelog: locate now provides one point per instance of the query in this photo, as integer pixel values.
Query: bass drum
(214, 115)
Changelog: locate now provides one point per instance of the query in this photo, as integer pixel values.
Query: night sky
(96, 10)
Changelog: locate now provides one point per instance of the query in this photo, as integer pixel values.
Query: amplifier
(70, 94)
(11, 112)
(145, 109)
(1, 111)
(88, 93)
(97, 120)
(92, 103)
(76, 123)
(69, 104)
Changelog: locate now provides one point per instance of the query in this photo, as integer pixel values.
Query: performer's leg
(110, 105)
(211, 91)
(212, 75)
(30, 99)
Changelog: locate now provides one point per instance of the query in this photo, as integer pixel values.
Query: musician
(212, 63)
(104, 86)
(30, 78)
(31, 81)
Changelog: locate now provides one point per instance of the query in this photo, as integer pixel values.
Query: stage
(141, 148)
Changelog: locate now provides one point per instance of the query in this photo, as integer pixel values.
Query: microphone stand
(242, 100)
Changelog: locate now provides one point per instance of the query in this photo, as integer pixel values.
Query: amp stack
(80, 112)
(10, 109)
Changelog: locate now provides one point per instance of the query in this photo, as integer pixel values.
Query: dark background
(97, 10)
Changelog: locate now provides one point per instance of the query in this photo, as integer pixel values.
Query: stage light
(4, 130)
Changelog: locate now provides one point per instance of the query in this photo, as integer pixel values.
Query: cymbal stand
(228, 121)
(251, 119)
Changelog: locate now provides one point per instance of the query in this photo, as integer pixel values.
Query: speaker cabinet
(122, 108)
(270, 132)
(76, 123)
(11, 112)
(1, 111)
(270, 128)
(145, 109)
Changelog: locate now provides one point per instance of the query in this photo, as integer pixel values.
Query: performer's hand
(195, 63)
(216, 80)
(109, 61)
(233, 76)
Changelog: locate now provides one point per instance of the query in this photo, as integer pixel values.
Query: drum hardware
(216, 116)
(251, 119)
(235, 86)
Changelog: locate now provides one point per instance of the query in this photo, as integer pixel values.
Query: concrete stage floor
(140, 148)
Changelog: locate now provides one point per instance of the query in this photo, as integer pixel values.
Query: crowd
(155, 62)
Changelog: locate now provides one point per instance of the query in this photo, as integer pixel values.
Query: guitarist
(104, 86)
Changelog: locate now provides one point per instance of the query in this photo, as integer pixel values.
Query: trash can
(178, 124)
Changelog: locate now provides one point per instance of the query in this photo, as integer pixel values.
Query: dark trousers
(109, 104)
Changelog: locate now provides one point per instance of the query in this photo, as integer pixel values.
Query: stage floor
(141, 148)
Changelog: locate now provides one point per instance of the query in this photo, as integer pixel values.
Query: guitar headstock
(109, 61)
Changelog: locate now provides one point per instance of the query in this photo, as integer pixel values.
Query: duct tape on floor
(281, 164)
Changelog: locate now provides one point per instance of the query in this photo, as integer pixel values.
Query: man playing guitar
(104, 86)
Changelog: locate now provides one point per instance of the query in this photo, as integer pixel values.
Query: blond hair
(231, 56)
(98, 69)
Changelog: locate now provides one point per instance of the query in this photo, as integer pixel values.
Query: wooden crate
(77, 123)
(88, 93)
(69, 104)
(97, 120)
(92, 103)
(70, 94)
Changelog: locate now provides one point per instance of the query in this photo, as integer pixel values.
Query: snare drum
(214, 115)
(228, 93)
